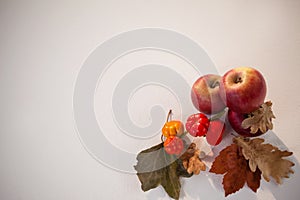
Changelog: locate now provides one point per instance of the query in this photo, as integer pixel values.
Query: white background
(44, 44)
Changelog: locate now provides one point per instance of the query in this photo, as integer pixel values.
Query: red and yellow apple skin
(243, 89)
(205, 94)
(235, 120)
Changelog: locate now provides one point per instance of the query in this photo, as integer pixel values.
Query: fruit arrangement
(232, 103)
(172, 131)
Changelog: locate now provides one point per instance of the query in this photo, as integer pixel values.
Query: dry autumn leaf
(232, 163)
(266, 157)
(191, 161)
(260, 119)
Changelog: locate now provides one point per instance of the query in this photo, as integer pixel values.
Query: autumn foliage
(267, 158)
(232, 163)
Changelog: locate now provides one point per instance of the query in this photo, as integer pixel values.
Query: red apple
(235, 119)
(243, 89)
(205, 94)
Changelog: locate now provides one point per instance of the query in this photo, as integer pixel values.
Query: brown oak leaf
(232, 163)
(260, 119)
(266, 157)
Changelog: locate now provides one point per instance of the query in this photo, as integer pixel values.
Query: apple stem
(238, 80)
(215, 84)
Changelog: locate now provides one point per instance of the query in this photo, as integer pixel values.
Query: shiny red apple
(243, 89)
(235, 119)
(205, 94)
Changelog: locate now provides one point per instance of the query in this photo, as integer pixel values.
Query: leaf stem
(169, 115)
(162, 138)
(218, 115)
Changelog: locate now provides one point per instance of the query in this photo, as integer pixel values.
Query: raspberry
(173, 145)
(197, 124)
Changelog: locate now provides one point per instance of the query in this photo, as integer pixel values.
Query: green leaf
(170, 181)
(155, 167)
(153, 159)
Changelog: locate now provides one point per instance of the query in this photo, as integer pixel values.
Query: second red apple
(243, 89)
(205, 94)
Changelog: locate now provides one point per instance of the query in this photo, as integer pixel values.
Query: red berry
(197, 124)
(173, 145)
(215, 132)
